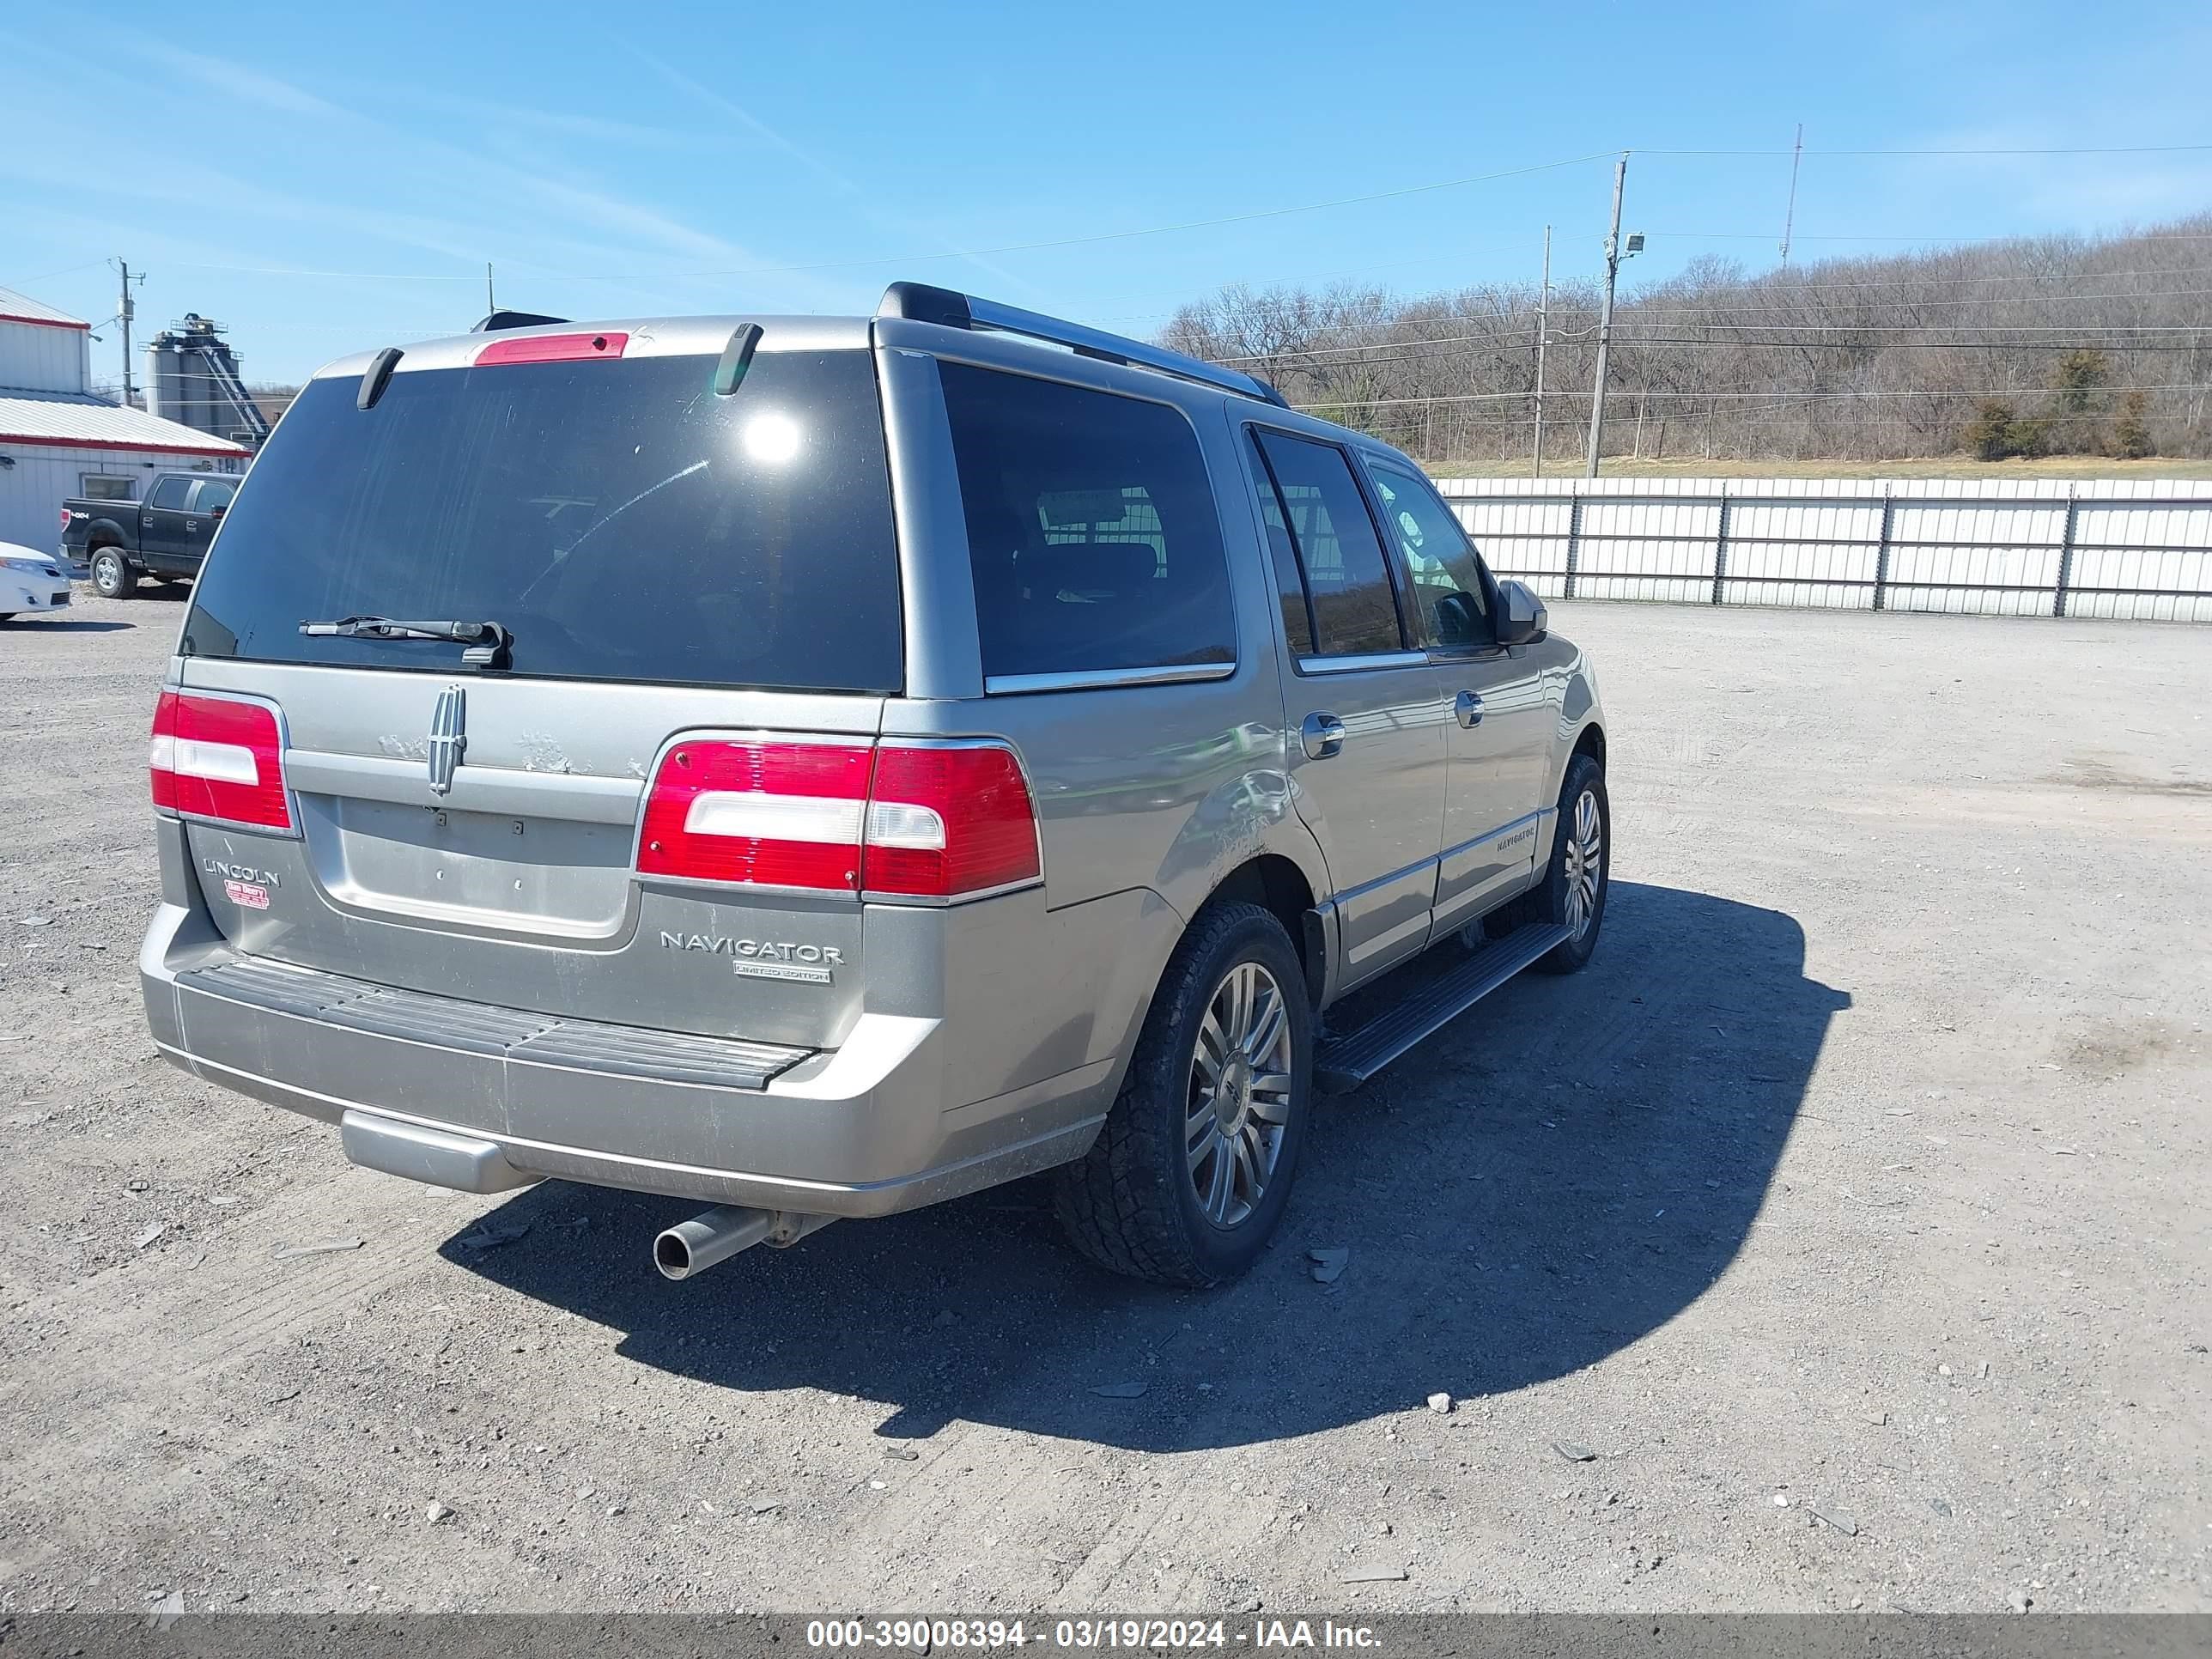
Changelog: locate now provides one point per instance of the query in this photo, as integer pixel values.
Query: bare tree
(1852, 358)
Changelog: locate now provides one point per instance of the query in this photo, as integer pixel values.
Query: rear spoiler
(499, 320)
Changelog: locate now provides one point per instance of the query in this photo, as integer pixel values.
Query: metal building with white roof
(59, 440)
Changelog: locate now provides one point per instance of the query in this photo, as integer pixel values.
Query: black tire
(1495, 925)
(112, 578)
(1132, 1202)
(1550, 901)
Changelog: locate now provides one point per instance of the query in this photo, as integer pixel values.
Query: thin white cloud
(747, 120)
(223, 74)
(574, 205)
(598, 128)
(821, 168)
(495, 207)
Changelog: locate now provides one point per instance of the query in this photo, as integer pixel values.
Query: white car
(30, 580)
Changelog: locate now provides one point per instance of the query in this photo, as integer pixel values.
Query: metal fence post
(1574, 541)
(1881, 553)
(1720, 550)
(2065, 556)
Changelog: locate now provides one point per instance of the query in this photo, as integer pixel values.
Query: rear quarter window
(1093, 529)
(619, 518)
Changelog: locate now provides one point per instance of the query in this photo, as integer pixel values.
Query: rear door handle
(1467, 709)
(1321, 736)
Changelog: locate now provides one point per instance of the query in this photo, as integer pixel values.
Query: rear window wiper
(488, 642)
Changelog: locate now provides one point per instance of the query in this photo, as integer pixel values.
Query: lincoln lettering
(752, 948)
(240, 872)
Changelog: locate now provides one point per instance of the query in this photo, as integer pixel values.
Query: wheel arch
(1591, 741)
(1272, 880)
(1278, 886)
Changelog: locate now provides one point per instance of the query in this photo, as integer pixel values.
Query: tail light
(764, 814)
(943, 822)
(66, 517)
(904, 822)
(221, 759)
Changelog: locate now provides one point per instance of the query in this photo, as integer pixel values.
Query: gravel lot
(1864, 1176)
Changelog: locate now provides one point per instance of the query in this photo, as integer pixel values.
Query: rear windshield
(621, 520)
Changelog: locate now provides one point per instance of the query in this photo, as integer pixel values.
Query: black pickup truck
(165, 534)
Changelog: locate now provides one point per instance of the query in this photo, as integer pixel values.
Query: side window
(170, 493)
(213, 493)
(1283, 553)
(107, 487)
(1353, 610)
(1449, 607)
(1091, 528)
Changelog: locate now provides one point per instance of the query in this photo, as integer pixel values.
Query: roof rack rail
(922, 303)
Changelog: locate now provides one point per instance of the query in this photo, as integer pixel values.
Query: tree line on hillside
(2030, 346)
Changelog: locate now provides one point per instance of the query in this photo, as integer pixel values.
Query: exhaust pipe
(692, 1246)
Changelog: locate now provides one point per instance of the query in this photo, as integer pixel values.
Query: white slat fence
(2138, 548)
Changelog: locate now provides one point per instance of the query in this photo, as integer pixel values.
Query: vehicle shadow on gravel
(1563, 1169)
(27, 624)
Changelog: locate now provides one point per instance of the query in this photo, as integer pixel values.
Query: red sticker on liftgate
(251, 894)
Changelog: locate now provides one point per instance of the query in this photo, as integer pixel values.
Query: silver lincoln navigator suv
(820, 766)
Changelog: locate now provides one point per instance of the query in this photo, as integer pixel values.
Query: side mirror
(1522, 619)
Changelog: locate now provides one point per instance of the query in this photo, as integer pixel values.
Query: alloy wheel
(1238, 1102)
(1585, 864)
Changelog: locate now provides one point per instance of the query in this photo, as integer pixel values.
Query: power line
(1946, 237)
(1792, 397)
(66, 270)
(2101, 149)
(1761, 285)
(2075, 331)
(2073, 338)
(1735, 416)
(1900, 302)
(1753, 291)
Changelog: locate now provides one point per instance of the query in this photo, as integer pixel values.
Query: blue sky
(323, 178)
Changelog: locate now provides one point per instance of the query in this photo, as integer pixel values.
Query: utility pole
(1543, 327)
(130, 400)
(1604, 319)
(1789, 214)
(490, 304)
